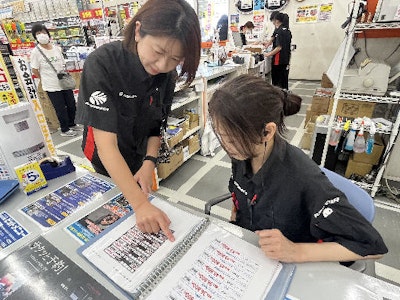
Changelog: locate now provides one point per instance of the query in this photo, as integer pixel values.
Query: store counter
(311, 280)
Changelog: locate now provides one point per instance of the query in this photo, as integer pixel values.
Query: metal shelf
(366, 26)
(363, 185)
(370, 98)
(184, 102)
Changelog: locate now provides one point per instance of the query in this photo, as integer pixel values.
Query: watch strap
(151, 158)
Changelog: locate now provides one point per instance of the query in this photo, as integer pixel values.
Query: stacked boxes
(362, 163)
(319, 105)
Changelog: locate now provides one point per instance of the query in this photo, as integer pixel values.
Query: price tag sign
(31, 177)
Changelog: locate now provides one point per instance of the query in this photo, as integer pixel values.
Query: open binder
(204, 262)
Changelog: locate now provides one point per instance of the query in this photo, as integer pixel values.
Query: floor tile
(182, 174)
(213, 184)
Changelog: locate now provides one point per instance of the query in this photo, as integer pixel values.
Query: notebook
(204, 262)
(7, 187)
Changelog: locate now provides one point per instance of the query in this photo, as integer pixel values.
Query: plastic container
(351, 136)
(359, 142)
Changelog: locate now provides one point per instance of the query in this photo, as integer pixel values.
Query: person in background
(277, 190)
(222, 25)
(245, 29)
(272, 19)
(126, 94)
(281, 52)
(62, 100)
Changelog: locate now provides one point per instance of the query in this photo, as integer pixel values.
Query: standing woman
(63, 100)
(125, 97)
(281, 51)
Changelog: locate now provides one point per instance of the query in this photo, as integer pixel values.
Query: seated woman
(278, 191)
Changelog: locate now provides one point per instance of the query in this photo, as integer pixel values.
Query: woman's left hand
(144, 177)
(276, 246)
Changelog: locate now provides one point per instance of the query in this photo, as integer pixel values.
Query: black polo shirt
(117, 95)
(282, 38)
(290, 193)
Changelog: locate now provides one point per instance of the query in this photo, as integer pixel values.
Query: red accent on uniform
(151, 100)
(320, 241)
(88, 150)
(276, 59)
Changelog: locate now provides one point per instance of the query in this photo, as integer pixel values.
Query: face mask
(43, 38)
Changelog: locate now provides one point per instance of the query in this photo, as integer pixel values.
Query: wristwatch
(151, 158)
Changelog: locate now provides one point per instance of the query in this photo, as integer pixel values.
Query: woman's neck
(263, 154)
(48, 46)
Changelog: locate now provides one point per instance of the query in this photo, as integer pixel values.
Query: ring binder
(203, 256)
(152, 280)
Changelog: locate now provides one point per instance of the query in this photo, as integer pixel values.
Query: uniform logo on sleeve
(96, 100)
(326, 210)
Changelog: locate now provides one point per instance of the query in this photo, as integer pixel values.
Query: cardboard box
(326, 82)
(311, 116)
(321, 99)
(175, 139)
(48, 110)
(185, 125)
(305, 142)
(194, 143)
(193, 120)
(176, 160)
(352, 108)
(374, 157)
(355, 167)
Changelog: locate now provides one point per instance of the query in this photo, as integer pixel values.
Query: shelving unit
(393, 131)
(203, 86)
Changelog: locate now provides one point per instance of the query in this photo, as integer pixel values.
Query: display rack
(393, 131)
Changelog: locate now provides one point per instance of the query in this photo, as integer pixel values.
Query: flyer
(10, 230)
(59, 204)
(101, 218)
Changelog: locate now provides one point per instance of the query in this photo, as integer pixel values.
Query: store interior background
(316, 44)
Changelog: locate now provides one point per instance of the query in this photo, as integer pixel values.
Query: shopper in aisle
(125, 96)
(278, 191)
(62, 100)
(281, 52)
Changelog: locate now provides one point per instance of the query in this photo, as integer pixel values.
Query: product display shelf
(391, 25)
(184, 102)
(353, 27)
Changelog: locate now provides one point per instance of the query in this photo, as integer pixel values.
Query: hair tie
(285, 94)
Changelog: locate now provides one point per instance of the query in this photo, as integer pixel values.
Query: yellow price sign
(51, 221)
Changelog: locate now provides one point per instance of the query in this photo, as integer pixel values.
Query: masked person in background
(126, 94)
(63, 100)
(277, 190)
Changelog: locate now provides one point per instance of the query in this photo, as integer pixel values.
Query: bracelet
(151, 158)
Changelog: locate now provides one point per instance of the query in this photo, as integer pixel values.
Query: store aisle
(202, 178)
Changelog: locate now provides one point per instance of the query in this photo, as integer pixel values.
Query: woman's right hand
(151, 219)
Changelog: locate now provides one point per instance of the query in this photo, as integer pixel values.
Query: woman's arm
(273, 52)
(148, 217)
(144, 175)
(36, 72)
(276, 246)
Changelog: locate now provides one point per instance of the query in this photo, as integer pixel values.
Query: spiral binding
(173, 257)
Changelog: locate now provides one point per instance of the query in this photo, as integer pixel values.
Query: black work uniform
(117, 95)
(290, 193)
(280, 61)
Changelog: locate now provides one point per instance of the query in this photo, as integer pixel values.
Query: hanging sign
(7, 90)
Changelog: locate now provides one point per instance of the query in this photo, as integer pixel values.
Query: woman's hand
(144, 177)
(151, 219)
(276, 246)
